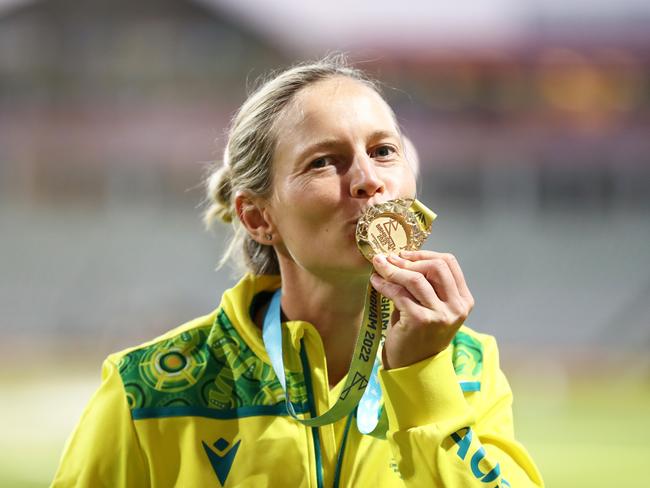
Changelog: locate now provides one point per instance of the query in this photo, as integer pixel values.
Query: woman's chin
(351, 268)
(359, 265)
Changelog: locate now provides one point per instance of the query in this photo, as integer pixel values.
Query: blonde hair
(248, 156)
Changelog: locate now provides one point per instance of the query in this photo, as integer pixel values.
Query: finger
(457, 272)
(416, 284)
(403, 300)
(437, 272)
(420, 255)
(452, 262)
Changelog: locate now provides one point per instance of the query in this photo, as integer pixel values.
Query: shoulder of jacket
(203, 323)
(487, 341)
(471, 352)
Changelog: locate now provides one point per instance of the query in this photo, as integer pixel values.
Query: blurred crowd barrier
(534, 152)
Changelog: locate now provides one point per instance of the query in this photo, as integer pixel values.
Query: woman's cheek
(405, 182)
(319, 203)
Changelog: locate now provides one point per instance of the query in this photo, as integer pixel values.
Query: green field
(595, 434)
(589, 433)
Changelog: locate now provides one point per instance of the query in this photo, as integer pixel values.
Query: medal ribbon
(364, 362)
(362, 385)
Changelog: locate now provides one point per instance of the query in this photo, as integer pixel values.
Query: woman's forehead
(337, 103)
(338, 89)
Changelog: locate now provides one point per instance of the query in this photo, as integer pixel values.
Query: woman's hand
(431, 302)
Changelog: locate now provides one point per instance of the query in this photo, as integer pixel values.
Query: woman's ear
(254, 217)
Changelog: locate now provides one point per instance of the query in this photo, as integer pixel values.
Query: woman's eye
(383, 152)
(319, 163)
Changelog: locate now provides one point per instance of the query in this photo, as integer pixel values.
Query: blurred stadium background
(532, 119)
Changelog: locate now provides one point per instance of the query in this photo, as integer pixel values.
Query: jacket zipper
(306, 371)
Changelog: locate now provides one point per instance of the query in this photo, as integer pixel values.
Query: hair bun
(219, 192)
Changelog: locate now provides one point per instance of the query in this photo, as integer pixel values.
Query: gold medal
(393, 226)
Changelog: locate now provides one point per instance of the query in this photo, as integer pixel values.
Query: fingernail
(380, 258)
(394, 257)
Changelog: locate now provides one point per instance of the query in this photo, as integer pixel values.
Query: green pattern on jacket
(209, 367)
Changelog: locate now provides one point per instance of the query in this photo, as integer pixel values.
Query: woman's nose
(365, 181)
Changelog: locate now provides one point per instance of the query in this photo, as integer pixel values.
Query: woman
(307, 153)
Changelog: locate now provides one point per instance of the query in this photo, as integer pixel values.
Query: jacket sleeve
(103, 449)
(439, 437)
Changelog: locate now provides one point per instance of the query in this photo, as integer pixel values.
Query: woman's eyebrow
(382, 134)
(333, 143)
(321, 145)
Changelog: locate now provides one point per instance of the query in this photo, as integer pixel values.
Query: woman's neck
(334, 305)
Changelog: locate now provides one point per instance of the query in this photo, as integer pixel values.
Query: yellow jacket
(201, 406)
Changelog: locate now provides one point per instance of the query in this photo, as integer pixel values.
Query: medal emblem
(393, 226)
